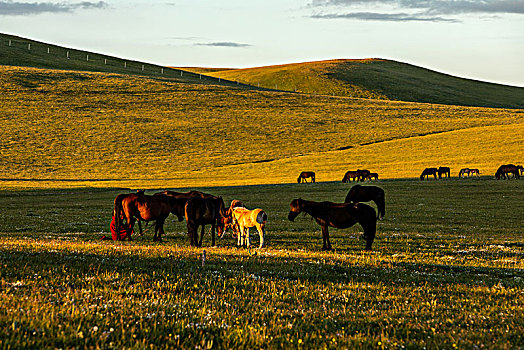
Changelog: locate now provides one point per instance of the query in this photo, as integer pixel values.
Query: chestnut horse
(144, 208)
(201, 212)
(359, 175)
(376, 194)
(304, 175)
(429, 171)
(338, 215)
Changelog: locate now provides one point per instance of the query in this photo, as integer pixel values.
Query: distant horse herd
(200, 209)
(506, 171)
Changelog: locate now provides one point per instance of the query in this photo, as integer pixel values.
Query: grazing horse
(359, 175)
(376, 194)
(338, 215)
(201, 212)
(504, 171)
(304, 175)
(475, 172)
(245, 219)
(144, 208)
(429, 171)
(464, 171)
(182, 198)
(372, 176)
(444, 171)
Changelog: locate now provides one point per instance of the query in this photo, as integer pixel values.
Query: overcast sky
(478, 39)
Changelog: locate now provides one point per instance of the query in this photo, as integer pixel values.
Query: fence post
(181, 73)
(67, 55)
(9, 42)
(105, 60)
(87, 58)
(162, 71)
(200, 76)
(142, 67)
(29, 47)
(125, 64)
(47, 50)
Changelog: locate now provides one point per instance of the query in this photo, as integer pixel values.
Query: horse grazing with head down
(305, 175)
(338, 215)
(245, 219)
(201, 212)
(376, 194)
(141, 207)
(504, 170)
(358, 175)
(444, 171)
(429, 171)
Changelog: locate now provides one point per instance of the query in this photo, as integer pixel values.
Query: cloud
(415, 10)
(11, 8)
(223, 44)
(388, 17)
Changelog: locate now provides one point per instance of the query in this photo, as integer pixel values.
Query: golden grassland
(447, 271)
(378, 79)
(109, 129)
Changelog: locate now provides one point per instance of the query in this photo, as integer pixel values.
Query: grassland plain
(114, 130)
(447, 272)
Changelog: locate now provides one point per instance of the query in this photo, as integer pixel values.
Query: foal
(245, 219)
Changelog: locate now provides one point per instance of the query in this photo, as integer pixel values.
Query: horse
(444, 170)
(429, 171)
(201, 212)
(144, 208)
(376, 194)
(245, 219)
(504, 171)
(359, 175)
(304, 175)
(372, 176)
(338, 215)
(475, 172)
(182, 198)
(464, 171)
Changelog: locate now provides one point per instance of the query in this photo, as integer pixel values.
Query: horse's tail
(261, 220)
(367, 219)
(117, 212)
(381, 206)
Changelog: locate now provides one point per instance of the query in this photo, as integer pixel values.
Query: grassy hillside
(377, 78)
(22, 52)
(110, 129)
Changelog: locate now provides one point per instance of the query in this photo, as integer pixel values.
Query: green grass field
(446, 272)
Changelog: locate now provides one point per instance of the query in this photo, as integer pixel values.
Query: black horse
(338, 215)
(429, 171)
(376, 194)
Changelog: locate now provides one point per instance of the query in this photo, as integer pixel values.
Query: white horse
(245, 219)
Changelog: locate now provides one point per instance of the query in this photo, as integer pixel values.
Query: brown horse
(358, 175)
(201, 212)
(465, 171)
(372, 176)
(429, 171)
(504, 170)
(138, 206)
(444, 171)
(475, 172)
(182, 198)
(304, 175)
(338, 215)
(376, 194)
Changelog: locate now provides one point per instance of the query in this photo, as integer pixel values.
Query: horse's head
(295, 208)
(222, 217)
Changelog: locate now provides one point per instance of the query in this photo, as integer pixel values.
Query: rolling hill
(378, 79)
(69, 125)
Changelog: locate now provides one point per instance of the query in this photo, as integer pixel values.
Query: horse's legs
(202, 235)
(159, 229)
(261, 232)
(248, 240)
(325, 238)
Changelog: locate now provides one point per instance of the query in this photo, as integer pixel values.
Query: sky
(477, 39)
